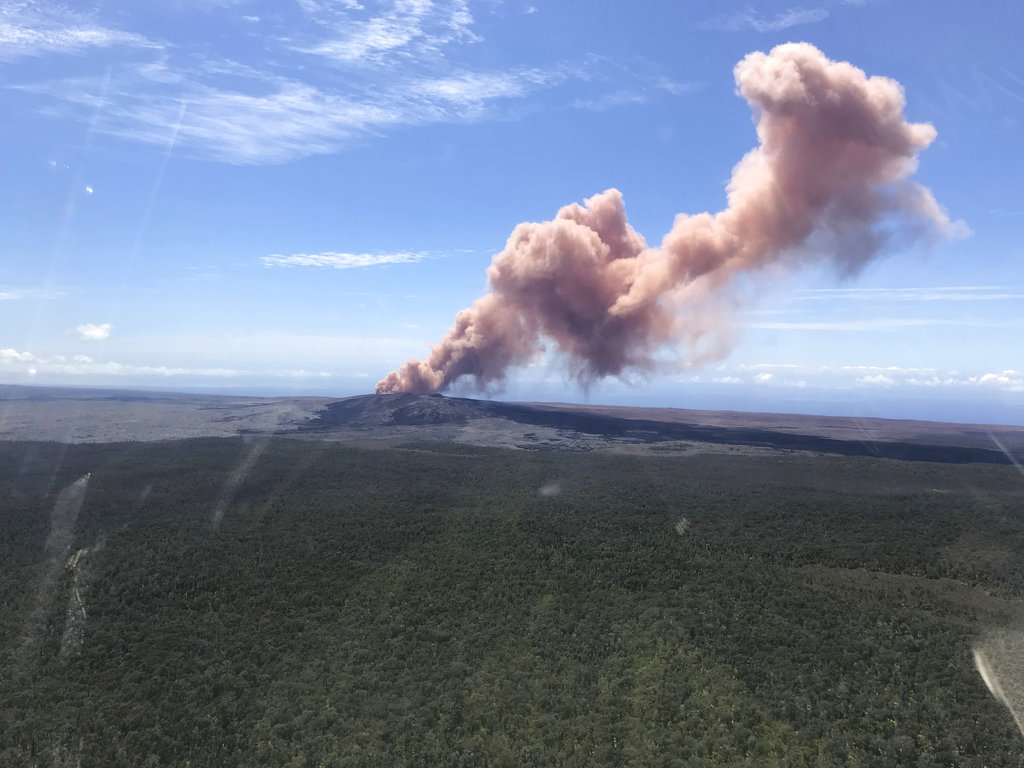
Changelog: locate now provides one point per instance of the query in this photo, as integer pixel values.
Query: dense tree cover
(255, 602)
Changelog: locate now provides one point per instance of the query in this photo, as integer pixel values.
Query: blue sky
(296, 197)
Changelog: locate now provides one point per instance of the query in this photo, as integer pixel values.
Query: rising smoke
(830, 180)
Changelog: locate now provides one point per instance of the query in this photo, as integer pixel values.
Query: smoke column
(830, 180)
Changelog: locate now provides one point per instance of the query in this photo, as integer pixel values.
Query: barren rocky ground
(75, 416)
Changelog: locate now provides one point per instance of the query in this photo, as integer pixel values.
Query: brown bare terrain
(101, 416)
(74, 416)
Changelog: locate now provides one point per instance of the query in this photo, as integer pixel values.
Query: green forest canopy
(230, 602)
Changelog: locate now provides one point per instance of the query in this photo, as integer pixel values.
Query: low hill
(577, 426)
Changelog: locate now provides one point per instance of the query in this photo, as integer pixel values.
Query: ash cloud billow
(829, 181)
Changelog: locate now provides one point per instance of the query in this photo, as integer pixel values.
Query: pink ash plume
(829, 180)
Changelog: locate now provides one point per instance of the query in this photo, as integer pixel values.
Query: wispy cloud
(34, 29)
(272, 119)
(610, 101)
(881, 324)
(888, 369)
(946, 293)
(276, 121)
(876, 379)
(268, 355)
(14, 294)
(12, 361)
(750, 19)
(342, 75)
(93, 332)
(640, 85)
(406, 28)
(639, 93)
(768, 366)
(851, 376)
(340, 260)
(83, 365)
(476, 87)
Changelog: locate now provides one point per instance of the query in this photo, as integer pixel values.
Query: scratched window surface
(477, 382)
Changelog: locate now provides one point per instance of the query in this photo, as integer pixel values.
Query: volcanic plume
(830, 180)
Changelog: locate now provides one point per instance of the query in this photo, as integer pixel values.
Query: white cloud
(35, 29)
(93, 332)
(838, 378)
(341, 75)
(641, 90)
(13, 294)
(82, 365)
(476, 87)
(340, 260)
(321, 10)
(677, 88)
(13, 355)
(366, 39)
(1010, 381)
(750, 19)
(218, 356)
(944, 293)
(881, 324)
(933, 381)
(291, 120)
(878, 379)
(409, 28)
(762, 366)
(889, 369)
(272, 119)
(610, 101)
